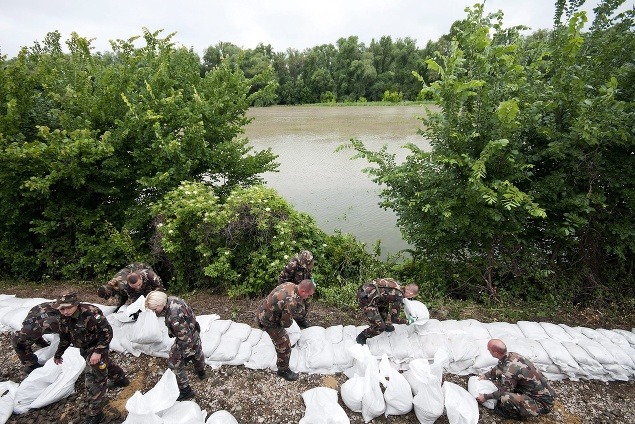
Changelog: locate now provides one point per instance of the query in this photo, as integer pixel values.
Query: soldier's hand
(480, 398)
(58, 361)
(390, 328)
(135, 315)
(113, 283)
(102, 292)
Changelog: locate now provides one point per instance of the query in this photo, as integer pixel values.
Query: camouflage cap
(305, 258)
(67, 299)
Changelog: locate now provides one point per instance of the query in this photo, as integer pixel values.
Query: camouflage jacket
(87, 328)
(279, 308)
(150, 281)
(385, 294)
(117, 284)
(293, 272)
(181, 323)
(42, 319)
(516, 374)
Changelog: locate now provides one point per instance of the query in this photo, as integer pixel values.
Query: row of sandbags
(559, 351)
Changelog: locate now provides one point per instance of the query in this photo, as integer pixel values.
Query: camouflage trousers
(376, 318)
(23, 346)
(519, 406)
(281, 343)
(179, 357)
(96, 380)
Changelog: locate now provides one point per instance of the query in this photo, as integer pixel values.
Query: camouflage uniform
(118, 285)
(275, 314)
(522, 389)
(380, 301)
(41, 319)
(294, 272)
(89, 330)
(181, 323)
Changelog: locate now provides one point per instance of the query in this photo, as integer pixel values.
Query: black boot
(95, 419)
(202, 375)
(288, 375)
(303, 323)
(42, 343)
(30, 368)
(122, 382)
(185, 393)
(361, 338)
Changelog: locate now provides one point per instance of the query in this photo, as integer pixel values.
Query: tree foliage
(527, 185)
(89, 141)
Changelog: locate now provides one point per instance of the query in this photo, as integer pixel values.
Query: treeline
(138, 154)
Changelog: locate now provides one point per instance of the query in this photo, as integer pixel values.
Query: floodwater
(328, 185)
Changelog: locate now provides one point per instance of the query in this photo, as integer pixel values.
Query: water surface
(326, 184)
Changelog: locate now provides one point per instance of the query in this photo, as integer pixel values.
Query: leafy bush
(392, 97)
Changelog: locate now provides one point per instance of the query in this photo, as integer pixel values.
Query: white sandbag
(297, 361)
(361, 358)
(431, 343)
(556, 332)
(187, 412)
(503, 330)
(528, 348)
(592, 368)
(373, 403)
(418, 375)
(294, 332)
(532, 330)
(322, 407)
(575, 333)
(429, 326)
(12, 321)
(460, 406)
(597, 351)
(462, 347)
(318, 353)
(397, 395)
(561, 357)
(123, 314)
(254, 336)
(618, 353)
(429, 403)
(400, 346)
(474, 328)
(219, 326)
(48, 352)
(7, 396)
(221, 417)
(226, 350)
(143, 408)
(334, 334)
(628, 335)
(148, 328)
(614, 337)
(243, 354)
(49, 383)
(238, 330)
(210, 341)
(484, 361)
(341, 357)
(475, 387)
(352, 392)
(416, 310)
(380, 345)
(205, 321)
(263, 355)
(121, 336)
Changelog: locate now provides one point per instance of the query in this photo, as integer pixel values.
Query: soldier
(522, 389)
(381, 302)
(130, 283)
(277, 312)
(181, 323)
(85, 327)
(298, 269)
(41, 319)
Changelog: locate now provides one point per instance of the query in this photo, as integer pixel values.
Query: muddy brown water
(327, 184)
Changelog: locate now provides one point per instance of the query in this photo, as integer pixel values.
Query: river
(328, 185)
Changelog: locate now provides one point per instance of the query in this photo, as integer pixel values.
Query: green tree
(88, 142)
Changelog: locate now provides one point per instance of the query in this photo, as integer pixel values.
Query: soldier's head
(156, 301)
(67, 303)
(497, 348)
(411, 291)
(305, 259)
(134, 280)
(306, 288)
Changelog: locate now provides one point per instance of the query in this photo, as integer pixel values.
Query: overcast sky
(297, 24)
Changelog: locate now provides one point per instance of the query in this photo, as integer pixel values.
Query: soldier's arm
(287, 273)
(155, 281)
(395, 310)
(65, 342)
(98, 323)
